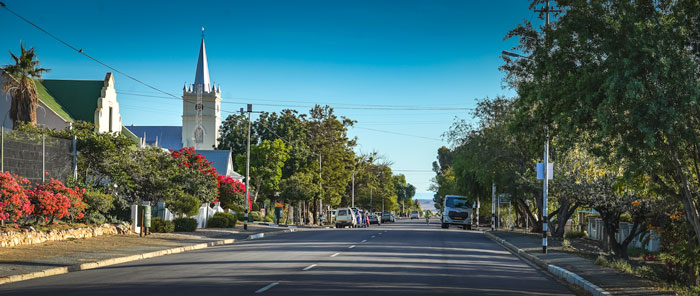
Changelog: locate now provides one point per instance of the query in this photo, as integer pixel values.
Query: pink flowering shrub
(14, 203)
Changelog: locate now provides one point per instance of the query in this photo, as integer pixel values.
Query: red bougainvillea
(14, 203)
(52, 199)
(231, 191)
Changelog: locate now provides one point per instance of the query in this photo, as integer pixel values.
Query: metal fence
(36, 157)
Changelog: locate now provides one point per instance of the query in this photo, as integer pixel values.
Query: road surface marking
(336, 254)
(379, 233)
(364, 241)
(350, 247)
(309, 267)
(263, 289)
(373, 236)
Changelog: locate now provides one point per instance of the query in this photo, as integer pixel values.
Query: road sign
(540, 171)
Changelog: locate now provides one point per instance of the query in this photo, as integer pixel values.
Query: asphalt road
(402, 258)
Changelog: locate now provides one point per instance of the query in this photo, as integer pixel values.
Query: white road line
(373, 236)
(379, 233)
(364, 241)
(336, 254)
(309, 267)
(263, 289)
(350, 247)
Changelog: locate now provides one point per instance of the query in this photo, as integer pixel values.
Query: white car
(345, 217)
(415, 215)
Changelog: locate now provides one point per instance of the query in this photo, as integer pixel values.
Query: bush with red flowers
(231, 191)
(53, 200)
(198, 177)
(14, 203)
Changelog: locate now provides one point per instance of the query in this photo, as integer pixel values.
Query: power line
(80, 51)
(335, 106)
(400, 134)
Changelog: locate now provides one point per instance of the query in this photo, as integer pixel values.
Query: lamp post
(545, 164)
(247, 171)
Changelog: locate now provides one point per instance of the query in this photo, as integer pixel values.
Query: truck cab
(456, 210)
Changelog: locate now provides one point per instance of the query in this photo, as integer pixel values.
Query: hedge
(161, 225)
(185, 224)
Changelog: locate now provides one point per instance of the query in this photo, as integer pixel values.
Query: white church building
(201, 119)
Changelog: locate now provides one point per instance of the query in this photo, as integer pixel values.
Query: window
(199, 135)
(110, 119)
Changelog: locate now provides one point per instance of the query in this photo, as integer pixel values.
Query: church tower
(201, 108)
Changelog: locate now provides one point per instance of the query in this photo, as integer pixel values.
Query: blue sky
(290, 54)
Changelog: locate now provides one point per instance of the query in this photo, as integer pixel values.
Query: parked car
(388, 217)
(374, 219)
(345, 217)
(415, 215)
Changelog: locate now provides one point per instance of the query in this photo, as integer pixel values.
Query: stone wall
(31, 236)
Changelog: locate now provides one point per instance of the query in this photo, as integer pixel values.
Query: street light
(545, 162)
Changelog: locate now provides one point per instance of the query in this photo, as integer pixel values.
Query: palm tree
(20, 85)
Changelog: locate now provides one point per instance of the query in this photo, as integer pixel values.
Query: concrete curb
(559, 272)
(125, 259)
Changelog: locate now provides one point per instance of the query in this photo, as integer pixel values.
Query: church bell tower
(201, 108)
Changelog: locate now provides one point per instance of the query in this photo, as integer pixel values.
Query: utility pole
(247, 172)
(353, 189)
(371, 204)
(320, 192)
(545, 164)
(493, 206)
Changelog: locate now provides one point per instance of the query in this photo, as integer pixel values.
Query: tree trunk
(687, 198)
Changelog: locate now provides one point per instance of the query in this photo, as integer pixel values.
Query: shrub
(185, 224)
(217, 222)
(622, 265)
(49, 204)
(94, 217)
(53, 193)
(184, 203)
(14, 203)
(98, 201)
(231, 191)
(566, 243)
(161, 225)
(574, 234)
(231, 218)
(255, 216)
(269, 219)
(602, 261)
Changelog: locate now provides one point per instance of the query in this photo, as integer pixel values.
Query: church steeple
(202, 75)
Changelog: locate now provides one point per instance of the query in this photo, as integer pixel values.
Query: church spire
(202, 75)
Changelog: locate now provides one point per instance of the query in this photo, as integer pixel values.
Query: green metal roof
(50, 102)
(77, 97)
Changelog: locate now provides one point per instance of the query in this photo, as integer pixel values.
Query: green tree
(20, 84)
(327, 136)
(266, 162)
(626, 78)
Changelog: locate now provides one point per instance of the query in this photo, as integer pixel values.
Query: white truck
(456, 210)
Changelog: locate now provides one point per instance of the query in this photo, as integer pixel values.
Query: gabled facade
(62, 102)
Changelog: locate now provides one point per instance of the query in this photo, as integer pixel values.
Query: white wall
(107, 100)
(211, 119)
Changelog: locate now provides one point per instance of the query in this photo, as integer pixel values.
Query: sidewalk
(609, 280)
(50, 258)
